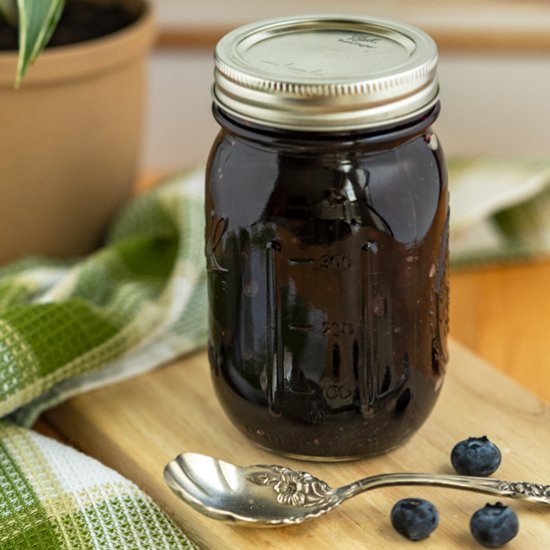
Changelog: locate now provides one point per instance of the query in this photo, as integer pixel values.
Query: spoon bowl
(270, 495)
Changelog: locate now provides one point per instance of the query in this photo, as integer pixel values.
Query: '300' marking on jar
(335, 262)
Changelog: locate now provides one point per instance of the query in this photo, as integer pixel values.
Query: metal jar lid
(325, 73)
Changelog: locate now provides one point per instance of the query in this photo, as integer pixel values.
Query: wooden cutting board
(139, 425)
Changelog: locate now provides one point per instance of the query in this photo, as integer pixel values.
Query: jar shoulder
(403, 187)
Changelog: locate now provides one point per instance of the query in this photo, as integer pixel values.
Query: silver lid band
(326, 73)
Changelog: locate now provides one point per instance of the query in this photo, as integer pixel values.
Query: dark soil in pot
(81, 20)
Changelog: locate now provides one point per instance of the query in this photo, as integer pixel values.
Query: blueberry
(494, 525)
(476, 456)
(414, 518)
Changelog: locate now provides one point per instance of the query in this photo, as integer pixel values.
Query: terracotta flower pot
(70, 141)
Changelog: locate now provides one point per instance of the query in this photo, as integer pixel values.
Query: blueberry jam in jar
(327, 235)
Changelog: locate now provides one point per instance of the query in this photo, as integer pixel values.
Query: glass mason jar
(327, 235)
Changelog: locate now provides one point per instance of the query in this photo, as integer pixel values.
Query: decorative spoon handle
(534, 492)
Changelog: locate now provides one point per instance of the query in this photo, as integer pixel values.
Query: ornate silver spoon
(270, 495)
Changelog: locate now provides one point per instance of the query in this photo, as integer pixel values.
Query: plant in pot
(71, 132)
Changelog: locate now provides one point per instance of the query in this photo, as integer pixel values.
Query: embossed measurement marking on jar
(301, 261)
(326, 261)
(293, 315)
(338, 328)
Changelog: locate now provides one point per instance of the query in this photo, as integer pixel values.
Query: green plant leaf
(37, 21)
(8, 10)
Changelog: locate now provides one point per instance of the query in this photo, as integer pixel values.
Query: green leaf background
(37, 20)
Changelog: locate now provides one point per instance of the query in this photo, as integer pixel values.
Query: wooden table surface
(503, 315)
(137, 426)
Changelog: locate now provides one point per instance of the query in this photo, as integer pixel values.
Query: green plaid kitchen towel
(67, 327)
(53, 497)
